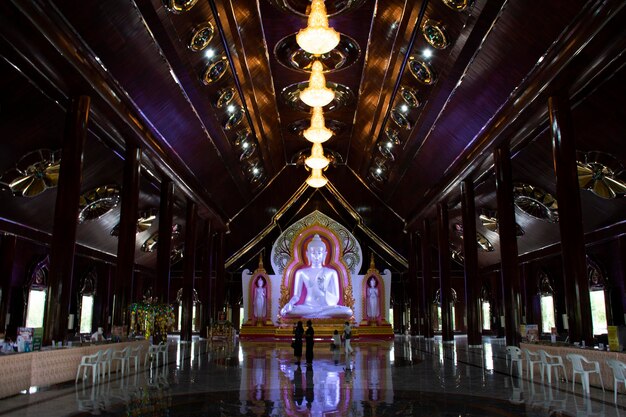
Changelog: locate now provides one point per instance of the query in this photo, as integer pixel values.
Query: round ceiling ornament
(303, 7)
(179, 6)
(215, 71)
(435, 34)
(422, 71)
(201, 37)
(489, 220)
(225, 96)
(33, 174)
(410, 97)
(97, 202)
(400, 119)
(535, 202)
(602, 174)
(458, 5)
(150, 244)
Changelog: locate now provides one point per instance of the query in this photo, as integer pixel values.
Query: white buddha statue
(322, 288)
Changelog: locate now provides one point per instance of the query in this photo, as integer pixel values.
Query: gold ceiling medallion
(410, 97)
(393, 136)
(489, 220)
(458, 5)
(400, 119)
(602, 174)
(180, 6)
(385, 150)
(150, 244)
(378, 173)
(435, 34)
(290, 55)
(97, 202)
(33, 174)
(215, 71)
(225, 96)
(536, 202)
(144, 222)
(201, 37)
(422, 71)
(234, 119)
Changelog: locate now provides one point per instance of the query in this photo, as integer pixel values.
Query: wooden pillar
(204, 291)
(508, 245)
(470, 253)
(7, 255)
(445, 289)
(164, 245)
(126, 240)
(414, 287)
(189, 271)
(570, 222)
(61, 270)
(220, 275)
(427, 282)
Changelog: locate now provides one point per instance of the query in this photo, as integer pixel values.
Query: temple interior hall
(313, 208)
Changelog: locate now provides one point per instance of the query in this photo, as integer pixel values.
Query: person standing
(347, 335)
(298, 332)
(309, 335)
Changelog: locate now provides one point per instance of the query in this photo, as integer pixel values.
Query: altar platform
(322, 331)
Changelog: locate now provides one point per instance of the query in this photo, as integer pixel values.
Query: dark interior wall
(611, 257)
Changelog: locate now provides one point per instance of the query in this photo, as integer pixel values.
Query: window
(86, 314)
(391, 317)
(486, 310)
(598, 312)
(547, 313)
(440, 320)
(36, 308)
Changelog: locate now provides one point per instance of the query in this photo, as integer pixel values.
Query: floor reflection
(407, 377)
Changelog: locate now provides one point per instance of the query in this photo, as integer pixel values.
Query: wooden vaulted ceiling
(243, 164)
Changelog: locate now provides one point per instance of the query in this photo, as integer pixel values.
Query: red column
(189, 272)
(126, 240)
(470, 253)
(570, 222)
(427, 282)
(164, 245)
(445, 289)
(508, 245)
(65, 214)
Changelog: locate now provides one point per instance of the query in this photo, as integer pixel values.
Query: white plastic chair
(123, 360)
(105, 362)
(162, 350)
(619, 374)
(90, 362)
(578, 367)
(549, 362)
(514, 354)
(151, 355)
(532, 359)
(135, 354)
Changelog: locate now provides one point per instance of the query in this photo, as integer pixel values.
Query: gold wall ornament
(348, 297)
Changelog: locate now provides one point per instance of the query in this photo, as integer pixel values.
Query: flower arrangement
(152, 319)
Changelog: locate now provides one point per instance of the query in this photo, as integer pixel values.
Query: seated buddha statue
(322, 288)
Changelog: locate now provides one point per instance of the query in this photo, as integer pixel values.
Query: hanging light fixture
(317, 160)
(316, 179)
(317, 94)
(317, 38)
(318, 132)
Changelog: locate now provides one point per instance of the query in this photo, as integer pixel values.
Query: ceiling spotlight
(404, 108)
(209, 53)
(317, 38)
(317, 94)
(427, 53)
(230, 108)
(244, 145)
(389, 145)
(379, 170)
(255, 170)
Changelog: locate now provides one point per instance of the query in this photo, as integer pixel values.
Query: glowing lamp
(318, 132)
(317, 38)
(316, 179)
(317, 94)
(317, 160)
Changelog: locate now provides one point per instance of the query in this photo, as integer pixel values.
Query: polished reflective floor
(406, 377)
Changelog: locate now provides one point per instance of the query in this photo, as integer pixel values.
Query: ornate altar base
(322, 330)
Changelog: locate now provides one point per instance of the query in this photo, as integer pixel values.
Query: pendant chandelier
(316, 179)
(317, 94)
(317, 160)
(317, 38)
(318, 132)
